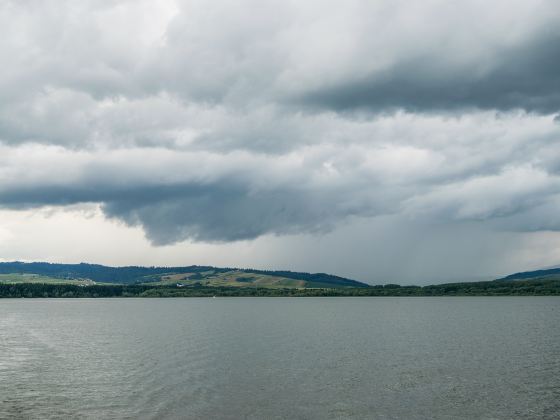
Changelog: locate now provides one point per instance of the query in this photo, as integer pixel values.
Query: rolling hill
(20, 272)
(548, 274)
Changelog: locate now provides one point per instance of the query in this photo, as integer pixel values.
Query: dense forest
(490, 288)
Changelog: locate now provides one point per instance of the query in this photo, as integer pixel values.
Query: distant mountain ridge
(551, 273)
(193, 273)
(202, 275)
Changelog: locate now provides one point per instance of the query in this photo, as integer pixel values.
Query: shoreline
(493, 288)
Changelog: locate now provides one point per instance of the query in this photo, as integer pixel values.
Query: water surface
(267, 358)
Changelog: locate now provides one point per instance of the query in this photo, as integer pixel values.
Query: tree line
(490, 288)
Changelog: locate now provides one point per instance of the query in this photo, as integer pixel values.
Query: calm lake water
(268, 358)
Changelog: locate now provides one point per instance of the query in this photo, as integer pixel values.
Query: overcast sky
(387, 141)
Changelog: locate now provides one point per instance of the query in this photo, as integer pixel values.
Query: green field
(233, 278)
(36, 278)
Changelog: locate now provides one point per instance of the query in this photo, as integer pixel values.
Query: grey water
(280, 358)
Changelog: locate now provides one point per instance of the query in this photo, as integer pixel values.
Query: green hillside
(17, 278)
(233, 278)
(183, 276)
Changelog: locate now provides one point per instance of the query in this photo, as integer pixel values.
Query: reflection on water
(265, 358)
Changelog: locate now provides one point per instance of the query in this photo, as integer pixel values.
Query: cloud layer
(220, 121)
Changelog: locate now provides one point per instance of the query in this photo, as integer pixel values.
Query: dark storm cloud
(218, 212)
(524, 77)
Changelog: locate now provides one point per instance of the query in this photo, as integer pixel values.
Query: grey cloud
(217, 215)
(217, 212)
(210, 197)
(278, 83)
(513, 191)
(524, 76)
(220, 55)
(183, 196)
(541, 216)
(344, 58)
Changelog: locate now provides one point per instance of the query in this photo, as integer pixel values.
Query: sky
(386, 141)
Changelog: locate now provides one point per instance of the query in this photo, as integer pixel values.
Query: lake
(276, 358)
